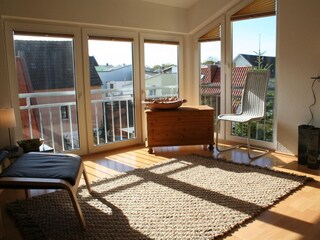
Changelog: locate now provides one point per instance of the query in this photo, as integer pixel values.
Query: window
(210, 68)
(112, 89)
(254, 46)
(64, 112)
(59, 73)
(45, 70)
(152, 91)
(161, 69)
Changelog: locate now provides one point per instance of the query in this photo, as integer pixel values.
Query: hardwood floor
(296, 217)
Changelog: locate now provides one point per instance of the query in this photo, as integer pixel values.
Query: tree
(259, 60)
(159, 68)
(210, 61)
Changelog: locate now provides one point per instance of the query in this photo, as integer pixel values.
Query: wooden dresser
(187, 125)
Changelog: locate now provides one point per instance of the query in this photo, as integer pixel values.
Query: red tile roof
(239, 75)
(211, 82)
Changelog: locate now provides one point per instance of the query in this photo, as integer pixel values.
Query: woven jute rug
(189, 197)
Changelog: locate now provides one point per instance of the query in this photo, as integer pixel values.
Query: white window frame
(38, 27)
(226, 66)
(229, 62)
(196, 70)
(107, 33)
(82, 74)
(160, 37)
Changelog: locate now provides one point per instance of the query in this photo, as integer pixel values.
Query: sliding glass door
(253, 46)
(45, 72)
(75, 89)
(112, 89)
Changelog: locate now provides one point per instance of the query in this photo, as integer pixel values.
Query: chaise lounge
(36, 170)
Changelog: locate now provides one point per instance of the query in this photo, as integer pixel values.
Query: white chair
(253, 108)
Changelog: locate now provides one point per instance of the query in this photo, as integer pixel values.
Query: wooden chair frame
(50, 183)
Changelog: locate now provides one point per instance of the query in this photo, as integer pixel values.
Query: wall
(298, 59)
(4, 88)
(205, 11)
(121, 13)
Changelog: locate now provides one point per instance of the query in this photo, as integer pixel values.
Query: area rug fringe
(188, 197)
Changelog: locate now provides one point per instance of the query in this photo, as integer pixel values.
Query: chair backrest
(253, 100)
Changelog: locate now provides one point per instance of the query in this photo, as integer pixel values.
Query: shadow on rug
(189, 197)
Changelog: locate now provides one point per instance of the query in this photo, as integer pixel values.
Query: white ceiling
(174, 3)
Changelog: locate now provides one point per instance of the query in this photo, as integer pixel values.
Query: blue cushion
(45, 165)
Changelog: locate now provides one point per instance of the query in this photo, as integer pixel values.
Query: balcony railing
(112, 99)
(210, 95)
(43, 119)
(42, 116)
(34, 117)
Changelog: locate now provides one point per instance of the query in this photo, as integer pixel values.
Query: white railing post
(120, 120)
(61, 129)
(112, 120)
(127, 115)
(70, 125)
(29, 116)
(104, 117)
(41, 124)
(97, 124)
(51, 129)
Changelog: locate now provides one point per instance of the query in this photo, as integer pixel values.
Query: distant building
(247, 60)
(119, 77)
(163, 84)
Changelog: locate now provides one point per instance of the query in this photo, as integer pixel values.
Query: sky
(118, 53)
(165, 53)
(111, 52)
(246, 35)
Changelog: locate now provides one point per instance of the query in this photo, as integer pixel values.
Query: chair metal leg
(217, 140)
(248, 145)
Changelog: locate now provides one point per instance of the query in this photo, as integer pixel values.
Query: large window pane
(210, 69)
(112, 97)
(161, 70)
(254, 46)
(47, 93)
